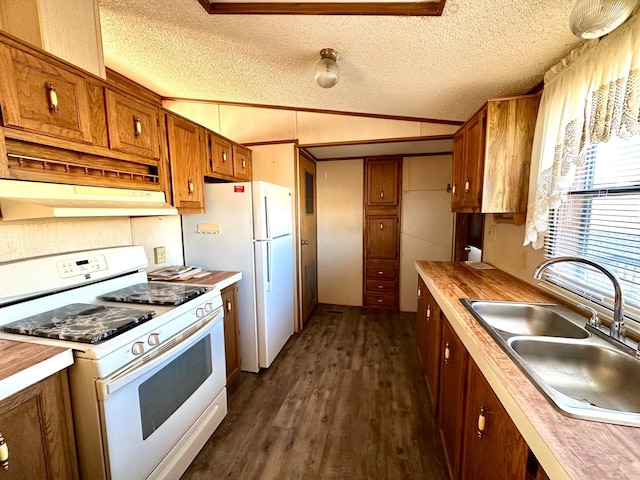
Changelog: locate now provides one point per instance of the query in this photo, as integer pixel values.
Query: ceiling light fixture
(327, 72)
(595, 18)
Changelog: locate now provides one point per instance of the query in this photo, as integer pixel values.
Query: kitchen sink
(583, 372)
(528, 319)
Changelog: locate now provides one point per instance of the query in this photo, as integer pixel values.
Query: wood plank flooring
(345, 399)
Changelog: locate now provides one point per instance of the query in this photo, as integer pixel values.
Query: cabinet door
(185, 159)
(35, 426)
(453, 374)
(433, 334)
(475, 136)
(382, 236)
(133, 126)
(493, 443)
(382, 182)
(458, 174)
(43, 97)
(242, 165)
(231, 331)
(220, 160)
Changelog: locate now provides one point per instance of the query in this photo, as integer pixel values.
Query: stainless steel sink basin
(527, 319)
(584, 373)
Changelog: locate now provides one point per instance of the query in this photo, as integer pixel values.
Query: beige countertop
(23, 364)
(567, 448)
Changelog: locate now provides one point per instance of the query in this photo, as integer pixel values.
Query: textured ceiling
(431, 67)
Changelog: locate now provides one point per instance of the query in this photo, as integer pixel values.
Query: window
(600, 221)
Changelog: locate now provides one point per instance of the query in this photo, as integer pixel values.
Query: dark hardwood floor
(345, 399)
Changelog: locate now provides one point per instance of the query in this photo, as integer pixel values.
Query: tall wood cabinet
(382, 182)
(492, 156)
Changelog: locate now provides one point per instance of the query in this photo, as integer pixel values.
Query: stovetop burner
(80, 322)
(156, 293)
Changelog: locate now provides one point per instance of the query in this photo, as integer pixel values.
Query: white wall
(340, 186)
(20, 240)
(427, 221)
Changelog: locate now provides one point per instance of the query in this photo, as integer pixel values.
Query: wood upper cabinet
(242, 163)
(492, 442)
(133, 126)
(492, 156)
(219, 160)
(428, 336)
(43, 97)
(36, 426)
(231, 331)
(186, 147)
(382, 182)
(453, 374)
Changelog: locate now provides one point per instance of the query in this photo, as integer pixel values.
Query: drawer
(380, 300)
(381, 272)
(375, 286)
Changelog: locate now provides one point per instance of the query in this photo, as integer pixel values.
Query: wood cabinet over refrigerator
(382, 181)
(492, 156)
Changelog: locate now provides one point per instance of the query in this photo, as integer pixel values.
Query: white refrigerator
(248, 228)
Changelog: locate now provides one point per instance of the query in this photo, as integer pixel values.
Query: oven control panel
(81, 266)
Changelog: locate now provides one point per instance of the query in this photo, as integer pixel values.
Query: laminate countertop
(23, 364)
(216, 278)
(567, 448)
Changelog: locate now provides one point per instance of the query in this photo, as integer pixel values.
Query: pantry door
(307, 207)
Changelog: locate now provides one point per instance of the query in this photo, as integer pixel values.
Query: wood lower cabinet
(186, 149)
(453, 376)
(231, 331)
(36, 425)
(428, 333)
(382, 180)
(492, 442)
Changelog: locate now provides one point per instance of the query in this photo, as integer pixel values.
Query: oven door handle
(178, 343)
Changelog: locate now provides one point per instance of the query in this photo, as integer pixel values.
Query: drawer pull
(482, 420)
(380, 273)
(447, 352)
(137, 127)
(380, 286)
(4, 453)
(53, 98)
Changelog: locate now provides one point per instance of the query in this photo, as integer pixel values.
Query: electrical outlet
(160, 254)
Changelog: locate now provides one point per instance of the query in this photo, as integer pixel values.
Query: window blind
(600, 221)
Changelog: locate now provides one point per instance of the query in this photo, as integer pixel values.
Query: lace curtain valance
(591, 95)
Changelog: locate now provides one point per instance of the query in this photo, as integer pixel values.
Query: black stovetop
(156, 293)
(80, 322)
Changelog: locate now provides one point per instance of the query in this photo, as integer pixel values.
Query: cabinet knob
(137, 127)
(419, 292)
(304, 242)
(381, 194)
(381, 226)
(191, 187)
(467, 185)
(428, 312)
(453, 189)
(229, 306)
(244, 164)
(4, 453)
(224, 157)
(447, 352)
(53, 98)
(482, 419)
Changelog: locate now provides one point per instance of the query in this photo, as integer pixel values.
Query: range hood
(23, 200)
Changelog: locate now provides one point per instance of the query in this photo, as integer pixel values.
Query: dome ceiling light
(327, 72)
(595, 18)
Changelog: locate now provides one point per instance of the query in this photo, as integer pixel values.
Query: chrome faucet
(617, 326)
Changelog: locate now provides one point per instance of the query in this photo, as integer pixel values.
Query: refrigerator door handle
(267, 219)
(269, 264)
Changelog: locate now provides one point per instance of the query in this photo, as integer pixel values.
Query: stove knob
(200, 312)
(154, 339)
(208, 307)
(137, 348)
